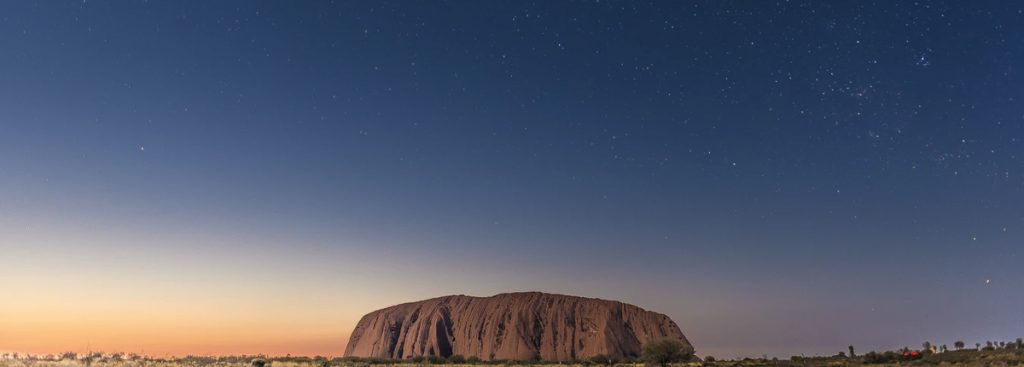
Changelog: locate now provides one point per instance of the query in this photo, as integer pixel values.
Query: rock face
(515, 326)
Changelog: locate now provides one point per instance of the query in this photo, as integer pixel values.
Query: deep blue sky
(779, 177)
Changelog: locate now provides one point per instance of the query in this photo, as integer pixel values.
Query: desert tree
(958, 345)
(926, 347)
(852, 354)
(664, 351)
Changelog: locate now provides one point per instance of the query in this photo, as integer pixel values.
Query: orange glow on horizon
(166, 339)
(166, 303)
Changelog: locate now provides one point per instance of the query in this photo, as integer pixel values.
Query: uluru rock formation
(514, 326)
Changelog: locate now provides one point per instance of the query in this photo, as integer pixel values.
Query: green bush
(601, 359)
(437, 360)
(661, 352)
(880, 358)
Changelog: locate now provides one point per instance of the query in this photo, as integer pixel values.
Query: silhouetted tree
(926, 347)
(661, 352)
(958, 345)
(852, 354)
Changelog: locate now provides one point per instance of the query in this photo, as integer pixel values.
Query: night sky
(780, 178)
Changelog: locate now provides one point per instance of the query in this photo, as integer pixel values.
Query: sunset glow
(772, 178)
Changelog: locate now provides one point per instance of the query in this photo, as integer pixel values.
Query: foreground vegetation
(992, 354)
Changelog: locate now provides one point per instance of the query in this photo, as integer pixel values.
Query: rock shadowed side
(516, 326)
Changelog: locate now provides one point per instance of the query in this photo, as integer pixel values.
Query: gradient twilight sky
(208, 177)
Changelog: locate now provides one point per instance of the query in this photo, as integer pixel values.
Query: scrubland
(999, 357)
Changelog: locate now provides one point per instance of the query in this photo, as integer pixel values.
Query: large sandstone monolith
(515, 326)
